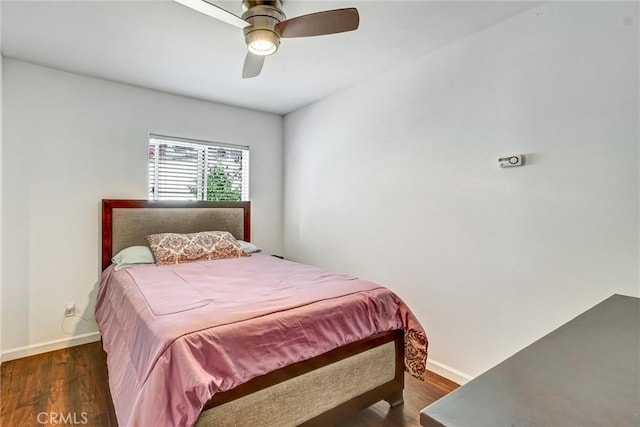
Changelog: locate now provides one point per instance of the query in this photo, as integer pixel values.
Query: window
(184, 169)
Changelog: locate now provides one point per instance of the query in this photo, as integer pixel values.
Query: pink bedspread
(175, 335)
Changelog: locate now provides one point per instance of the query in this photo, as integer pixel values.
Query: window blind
(185, 169)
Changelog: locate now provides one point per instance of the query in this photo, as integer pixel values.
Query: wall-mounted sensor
(511, 161)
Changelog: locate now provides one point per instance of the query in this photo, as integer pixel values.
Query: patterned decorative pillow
(172, 248)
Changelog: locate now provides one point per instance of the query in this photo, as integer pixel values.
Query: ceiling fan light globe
(262, 47)
(262, 42)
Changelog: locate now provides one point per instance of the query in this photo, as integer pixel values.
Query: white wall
(397, 180)
(1, 150)
(72, 140)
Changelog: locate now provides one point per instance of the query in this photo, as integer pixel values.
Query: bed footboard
(316, 392)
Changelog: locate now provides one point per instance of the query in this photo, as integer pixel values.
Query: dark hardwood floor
(417, 395)
(73, 382)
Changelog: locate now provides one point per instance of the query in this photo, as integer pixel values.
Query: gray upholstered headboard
(126, 222)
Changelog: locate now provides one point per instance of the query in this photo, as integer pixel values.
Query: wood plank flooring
(73, 382)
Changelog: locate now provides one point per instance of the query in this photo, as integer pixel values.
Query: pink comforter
(175, 335)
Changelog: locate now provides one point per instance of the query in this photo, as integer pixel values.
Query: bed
(318, 386)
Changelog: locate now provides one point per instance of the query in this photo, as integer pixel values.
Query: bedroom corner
(1, 180)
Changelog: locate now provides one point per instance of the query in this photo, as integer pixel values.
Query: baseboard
(448, 372)
(31, 350)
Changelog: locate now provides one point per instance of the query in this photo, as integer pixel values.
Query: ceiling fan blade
(252, 65)
(320, 23)
(214, 11)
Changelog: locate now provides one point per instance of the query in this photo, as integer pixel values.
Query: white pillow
(249, 247)
(133, 255)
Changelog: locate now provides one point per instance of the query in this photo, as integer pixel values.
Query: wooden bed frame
(390, 391)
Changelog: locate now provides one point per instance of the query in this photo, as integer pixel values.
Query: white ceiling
(165, 46)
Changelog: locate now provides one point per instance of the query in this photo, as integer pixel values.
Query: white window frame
(205, 150)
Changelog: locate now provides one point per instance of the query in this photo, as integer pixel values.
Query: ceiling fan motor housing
(262, 37)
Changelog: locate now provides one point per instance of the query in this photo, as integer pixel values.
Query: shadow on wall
(86, 323)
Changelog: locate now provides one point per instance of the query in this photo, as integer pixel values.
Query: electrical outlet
(70, 309)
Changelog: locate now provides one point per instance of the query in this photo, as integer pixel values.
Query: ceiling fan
(264, 23)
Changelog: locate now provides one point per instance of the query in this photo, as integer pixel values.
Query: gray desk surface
(585, 373)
